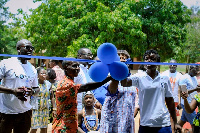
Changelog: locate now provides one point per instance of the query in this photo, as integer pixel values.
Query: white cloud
(14, 5)
(190, 3)
(25, 5)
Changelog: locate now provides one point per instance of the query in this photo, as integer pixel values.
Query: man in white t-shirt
(174, 78)
(19, 82)
(188, 83)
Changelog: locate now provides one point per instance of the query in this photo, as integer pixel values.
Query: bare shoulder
(80, 113)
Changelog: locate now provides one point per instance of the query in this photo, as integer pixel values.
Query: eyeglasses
(173, 65)
(27, 47)
(87, 55)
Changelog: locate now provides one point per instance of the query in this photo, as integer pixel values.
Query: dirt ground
(136, 123)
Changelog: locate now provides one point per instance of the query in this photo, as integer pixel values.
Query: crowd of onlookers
(67, 97)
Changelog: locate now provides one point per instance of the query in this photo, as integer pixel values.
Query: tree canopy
(61, 27)
(163, 23)
(190, 50)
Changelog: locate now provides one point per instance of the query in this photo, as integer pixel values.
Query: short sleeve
(183, 80)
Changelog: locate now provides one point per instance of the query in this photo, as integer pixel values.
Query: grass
(180, 68)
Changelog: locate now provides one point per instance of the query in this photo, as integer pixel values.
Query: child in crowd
(89, 116)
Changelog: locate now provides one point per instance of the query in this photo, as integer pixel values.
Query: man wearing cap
(18, 82)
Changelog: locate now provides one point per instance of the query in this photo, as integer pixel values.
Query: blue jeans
(146, 129)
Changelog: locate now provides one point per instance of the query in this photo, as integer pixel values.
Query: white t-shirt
(191, 83)
(82, 78)
(152, 93)
(14, 74)
(174, 80)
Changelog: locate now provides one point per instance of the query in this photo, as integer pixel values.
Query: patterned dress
(197, 118)
(66, 120)
(40, 107)
(117, 115)
(90, 122)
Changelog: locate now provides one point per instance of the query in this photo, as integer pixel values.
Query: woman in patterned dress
(66, 120)
(40, 103)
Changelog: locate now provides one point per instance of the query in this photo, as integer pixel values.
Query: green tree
(4, 15)
(9, 33)
(63, 26)
(163, 22)
(189, 51)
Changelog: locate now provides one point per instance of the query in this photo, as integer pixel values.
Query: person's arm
(93, 85)
(18, 92)
(99, 114)
(189, 107)
(52, 97)
(6, 90)
(169, 100)
(171, 107)
(80, 116)
(192, 90)
(179, 105)
(137, 108)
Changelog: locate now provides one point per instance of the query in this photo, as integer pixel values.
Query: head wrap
(87, 93)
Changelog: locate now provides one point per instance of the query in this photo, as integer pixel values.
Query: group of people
(31, 98)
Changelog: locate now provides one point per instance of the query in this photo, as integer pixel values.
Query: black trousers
(20, 123)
